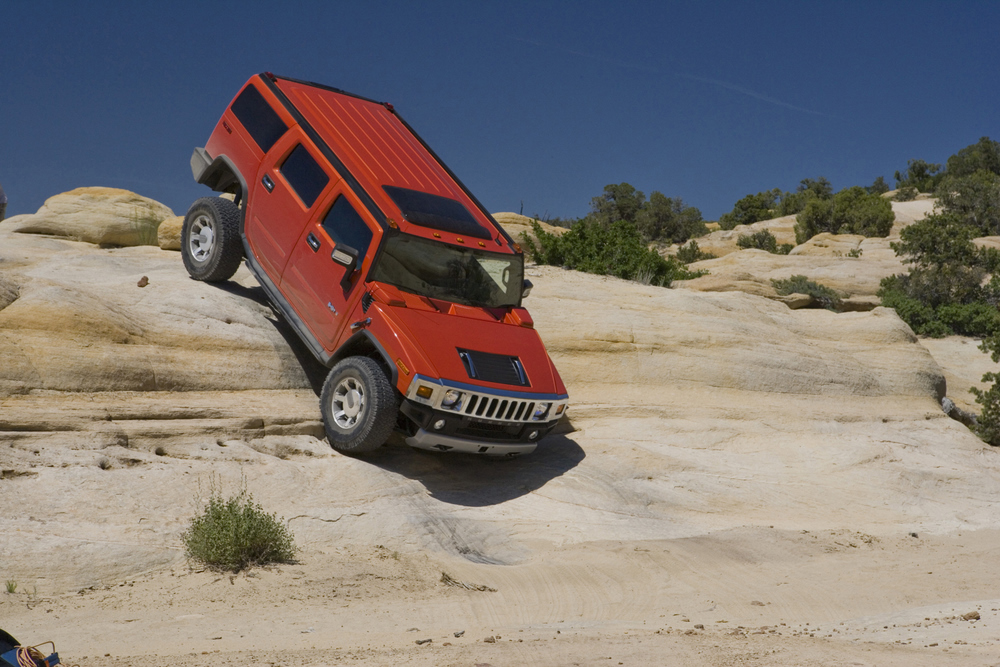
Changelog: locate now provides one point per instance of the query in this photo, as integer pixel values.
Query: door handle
(313, 241)
(268, 183)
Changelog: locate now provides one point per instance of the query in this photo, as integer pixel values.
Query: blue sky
(536, 102)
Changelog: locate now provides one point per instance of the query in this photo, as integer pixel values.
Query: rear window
(260, 120)
(304, 174)
(436, 212)
(345, 226)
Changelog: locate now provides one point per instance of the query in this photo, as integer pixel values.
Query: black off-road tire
(210, 239)
(358, 406)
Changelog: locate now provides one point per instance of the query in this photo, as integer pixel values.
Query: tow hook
(361, 323)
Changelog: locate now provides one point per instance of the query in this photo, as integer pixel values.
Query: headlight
(452, 399)
(541, 410)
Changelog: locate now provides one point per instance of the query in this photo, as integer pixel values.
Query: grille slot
(490, 367)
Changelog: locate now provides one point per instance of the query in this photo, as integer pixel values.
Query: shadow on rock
(479, 481)
(315, 372)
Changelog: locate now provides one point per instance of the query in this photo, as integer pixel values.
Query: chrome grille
(498, 409)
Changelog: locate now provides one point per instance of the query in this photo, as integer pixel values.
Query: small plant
(11, 586)
(236, 533)
(906, 193)
(821, 294)
(145, 226)
(692, 253)
(855, 253)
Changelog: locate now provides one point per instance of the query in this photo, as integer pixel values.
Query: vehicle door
(320, 277)
(285, 192)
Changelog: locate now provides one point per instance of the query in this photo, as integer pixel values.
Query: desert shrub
(751, 209)
(921, 175)
(974, 199)
(661, 218)
(878, 186)
(984, 155)
(617, 249)
(236, 533)
(692, 253)
(988, 423)
(763, 240)
(821, 294)
(851, 211)
(906, 193)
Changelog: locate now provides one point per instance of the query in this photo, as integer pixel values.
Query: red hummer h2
(383, 262)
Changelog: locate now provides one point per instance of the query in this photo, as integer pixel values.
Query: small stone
(699, 626)
(414, 630)
(490, 640)
(757, 603)
(460, 633)
(971, 616)
(143, 281)
(424, 641)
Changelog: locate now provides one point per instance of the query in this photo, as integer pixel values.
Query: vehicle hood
(439, 336)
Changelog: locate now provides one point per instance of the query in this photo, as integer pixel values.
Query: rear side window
(344, 225)
(304, 174)
(259, 119)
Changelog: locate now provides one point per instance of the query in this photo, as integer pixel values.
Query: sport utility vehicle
(383, 262)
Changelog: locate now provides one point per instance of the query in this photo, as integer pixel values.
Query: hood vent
(498, 368)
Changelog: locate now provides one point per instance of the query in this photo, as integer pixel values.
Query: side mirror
(526, 288)
(347, 257)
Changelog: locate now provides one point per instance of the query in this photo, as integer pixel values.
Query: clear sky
(536, 102)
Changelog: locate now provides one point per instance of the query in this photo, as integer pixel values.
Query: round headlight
(541, 410)
(451, 397)
(438, 425)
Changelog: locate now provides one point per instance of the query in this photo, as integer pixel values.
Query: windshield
(446, 272)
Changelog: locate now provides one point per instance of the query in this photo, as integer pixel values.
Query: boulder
(168, 236)
(102, 216)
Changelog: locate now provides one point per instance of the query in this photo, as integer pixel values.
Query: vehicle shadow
(478, 481)
(315, 372)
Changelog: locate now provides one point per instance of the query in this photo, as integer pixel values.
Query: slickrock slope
(825, 259)
(736, 465)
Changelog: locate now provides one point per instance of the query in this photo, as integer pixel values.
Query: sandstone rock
(168, 235)
(516, 224)
(104, 216)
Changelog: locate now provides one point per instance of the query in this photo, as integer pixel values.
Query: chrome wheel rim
(201, 239)
(348, 402)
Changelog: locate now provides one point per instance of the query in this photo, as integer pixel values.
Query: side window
(304, 174)
(344, 225)
(259, 119)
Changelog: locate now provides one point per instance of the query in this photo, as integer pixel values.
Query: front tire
(210, 239)
(358, 406)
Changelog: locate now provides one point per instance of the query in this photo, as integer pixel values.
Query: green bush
(236, 533)
(692, 253)
(764, 240)
(921, 175)
(821, 294)
(661, 218)
(988, 424)
(617, 249)
(751, 209)
(851, 211)
(878, 186)
(984, 155)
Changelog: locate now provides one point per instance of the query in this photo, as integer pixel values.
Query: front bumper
(444, 431)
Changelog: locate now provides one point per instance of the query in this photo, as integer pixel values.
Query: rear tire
(210, 239)
(358, 406)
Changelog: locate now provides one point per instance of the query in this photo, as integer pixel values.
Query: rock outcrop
(852, 265)
(103, 216)
(695, 412)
